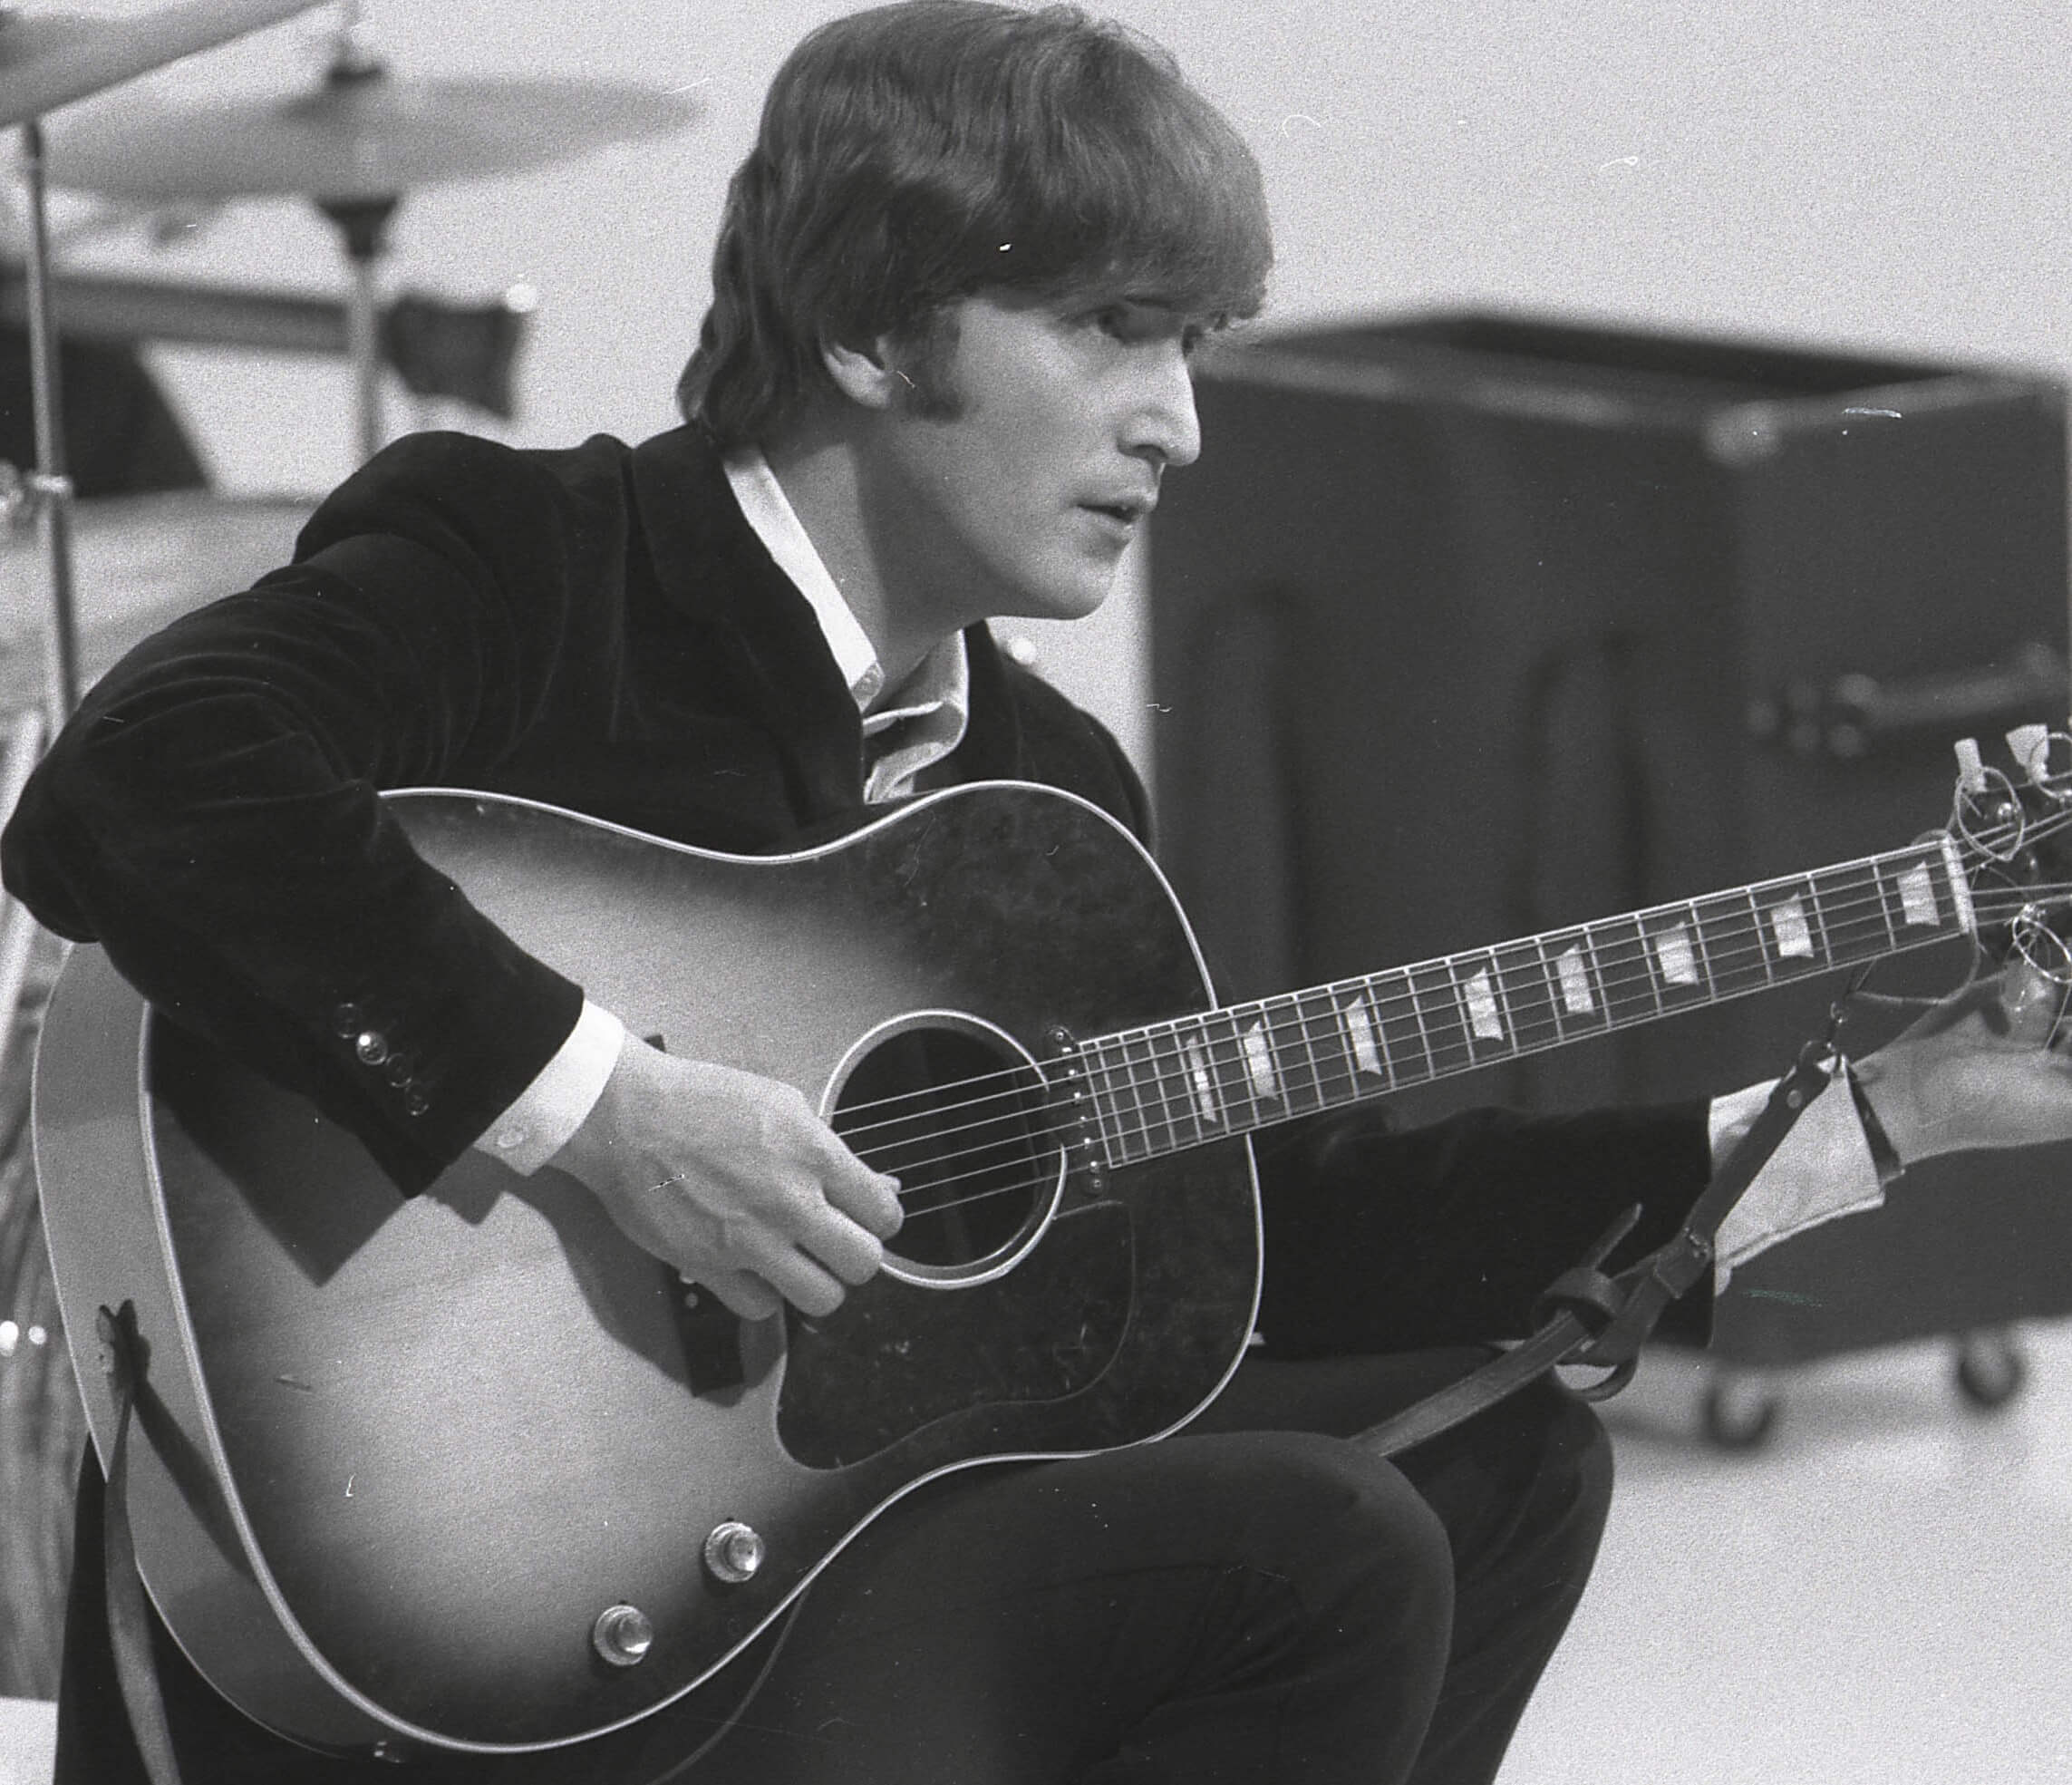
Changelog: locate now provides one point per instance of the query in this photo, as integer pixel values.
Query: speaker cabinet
(1467, 627)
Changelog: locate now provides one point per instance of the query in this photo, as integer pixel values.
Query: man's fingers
(2035, 1002)
(850, 1251)
(745, 1293)
(870, 1198)
(775, 1258)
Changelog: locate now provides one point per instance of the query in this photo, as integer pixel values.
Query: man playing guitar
(946, 367)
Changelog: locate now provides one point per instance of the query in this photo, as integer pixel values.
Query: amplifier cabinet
(1469, 626)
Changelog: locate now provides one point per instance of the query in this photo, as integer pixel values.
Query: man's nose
(1165, 422)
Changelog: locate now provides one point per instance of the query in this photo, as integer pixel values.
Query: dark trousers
(1256, 1600)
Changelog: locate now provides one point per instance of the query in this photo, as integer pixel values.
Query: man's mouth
(1129, 511)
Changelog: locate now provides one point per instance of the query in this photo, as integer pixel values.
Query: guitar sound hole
(958, 1117)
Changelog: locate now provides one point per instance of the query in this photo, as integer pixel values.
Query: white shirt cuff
(1821, 1170)
(547, 1111)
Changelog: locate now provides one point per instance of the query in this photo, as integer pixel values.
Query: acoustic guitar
(465, 1471)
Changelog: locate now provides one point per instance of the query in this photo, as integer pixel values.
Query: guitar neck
(1173, 1086)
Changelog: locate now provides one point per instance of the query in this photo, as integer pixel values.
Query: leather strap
(1588, 1319)
(128, 1617)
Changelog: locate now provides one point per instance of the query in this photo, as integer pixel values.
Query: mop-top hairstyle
(914, 154)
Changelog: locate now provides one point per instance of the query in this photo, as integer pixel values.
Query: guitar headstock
(2014, 832)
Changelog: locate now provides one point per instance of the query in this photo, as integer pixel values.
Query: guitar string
(1831, 916)
(1622, 963)
(1846, 912)
(1328, 1088)
(1148, 1071)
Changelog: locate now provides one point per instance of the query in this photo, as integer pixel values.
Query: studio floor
(1880, 1595)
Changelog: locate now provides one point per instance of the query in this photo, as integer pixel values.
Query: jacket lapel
(713, 569)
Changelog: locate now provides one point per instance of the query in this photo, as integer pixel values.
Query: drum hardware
(47, 61)
(18, 928)
(353, 147)
(467, 352)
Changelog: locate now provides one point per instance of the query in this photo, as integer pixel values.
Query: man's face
(1023, 498)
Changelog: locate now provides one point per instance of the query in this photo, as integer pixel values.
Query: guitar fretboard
(1204, 1077)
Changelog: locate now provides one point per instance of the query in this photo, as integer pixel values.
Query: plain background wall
(1890, 173)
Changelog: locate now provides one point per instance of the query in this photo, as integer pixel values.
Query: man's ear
(865, 375)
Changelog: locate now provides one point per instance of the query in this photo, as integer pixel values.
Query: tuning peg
(2031, 746)
(1971, 766)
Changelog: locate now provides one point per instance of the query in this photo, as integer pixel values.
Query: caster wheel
(1740, 1412)
(1990, 1368)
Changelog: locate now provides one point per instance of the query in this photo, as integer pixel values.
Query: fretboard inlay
(1201, 1078)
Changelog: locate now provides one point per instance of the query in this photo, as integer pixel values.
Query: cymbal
(49, 59)
(367, 137)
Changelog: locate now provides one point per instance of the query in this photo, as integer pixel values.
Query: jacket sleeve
(210, 815)
(1380, 1240)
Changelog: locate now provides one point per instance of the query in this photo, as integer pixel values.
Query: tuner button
(2029, 745)
(623, 1635)
(733, 1552)
(1971, 767)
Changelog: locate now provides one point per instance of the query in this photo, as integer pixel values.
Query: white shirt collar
(942, 678)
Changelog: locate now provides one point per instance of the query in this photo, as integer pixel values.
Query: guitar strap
(128, 1617)
(1601, 1322)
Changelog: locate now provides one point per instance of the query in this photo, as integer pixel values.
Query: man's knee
(1341, 1527)
(1526, 1482)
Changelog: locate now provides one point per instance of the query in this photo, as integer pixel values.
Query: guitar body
(396, 1457)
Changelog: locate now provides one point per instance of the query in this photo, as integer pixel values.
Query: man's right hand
(731, 1178)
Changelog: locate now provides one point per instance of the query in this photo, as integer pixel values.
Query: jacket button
(372, 1046)
(398, 1069)
(345, 1020)
(416, 1102)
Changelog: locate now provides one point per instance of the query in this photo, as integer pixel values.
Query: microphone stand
(46, 495)
(43, 497)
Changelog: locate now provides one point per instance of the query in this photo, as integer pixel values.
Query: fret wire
(1164, 1080)
(1274, 1040)
(1763, 938)
(1460, 1005)
(1524, 993)
(1555, 1000)
(1189, 1089)
(1500, 995)
(1884, 904)
(1704, 952)
(1379, 1025)
(1424, 1027)
(1594, 970)
(1142, 1121)
(1378, 1017)
(1720, 930)
(1858, 928)
(1820, 917)
(1198, 1063)
(1308, 1050)
(1242, 1055)
(1653, 966)
(1236, 1042)
(1336, 1080)
(1118, 1147)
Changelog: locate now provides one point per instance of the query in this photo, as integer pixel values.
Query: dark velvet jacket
(599, 629)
